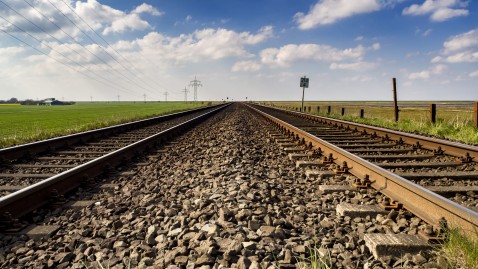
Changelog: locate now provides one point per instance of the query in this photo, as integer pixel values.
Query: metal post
(395, 105)
(302, 106)
(475, 113)
(433, 113)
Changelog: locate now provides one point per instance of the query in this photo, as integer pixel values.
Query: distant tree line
(31, 102)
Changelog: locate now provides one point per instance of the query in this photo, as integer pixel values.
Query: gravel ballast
(222, 196)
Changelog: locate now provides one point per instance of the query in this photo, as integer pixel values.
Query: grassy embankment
(454, 121)
(22, 124)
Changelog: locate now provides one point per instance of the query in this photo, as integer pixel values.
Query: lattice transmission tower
(195, 84)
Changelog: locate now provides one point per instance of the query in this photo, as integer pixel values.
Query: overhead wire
(49, 56)
(103, 80)
(59, 41)
(92, 40)
(53, 49)
(113, 49)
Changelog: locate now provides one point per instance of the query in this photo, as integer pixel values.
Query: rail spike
(10, 225)
(435, 235)
(342, 169)
(328, 160)
(467, 158)
(438, 152)
(359, 183)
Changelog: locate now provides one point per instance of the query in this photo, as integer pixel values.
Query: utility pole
(91, 99)
(144, 95)
(195, 83)
(185, 94)
(165, 96)
(118, 97)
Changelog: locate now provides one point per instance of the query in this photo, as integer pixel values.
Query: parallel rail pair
(424, 203)
(19, 203)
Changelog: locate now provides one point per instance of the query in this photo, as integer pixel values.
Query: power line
(56, 60)
(53, 49)
(92, 40)
(56, 39)
(106, 42)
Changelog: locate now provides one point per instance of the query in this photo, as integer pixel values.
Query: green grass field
(454, 119)
(22, 124)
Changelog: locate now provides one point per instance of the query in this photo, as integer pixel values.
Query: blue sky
(350, 50)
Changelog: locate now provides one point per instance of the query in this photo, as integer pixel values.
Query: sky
(110, 50)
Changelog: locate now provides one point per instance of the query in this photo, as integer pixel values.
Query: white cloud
(420, 75)
(439, 69)
(288, 54)
(330, 11)
(145, 8)
(127, 22)
(426, 74)
(246, 66)
(359, 79)
(358, 66)
(427, 32)
(212, 44)
(375, 46)
(359, 38)
(440, 10)
(460, 48)
(474, 74)
(462, 41)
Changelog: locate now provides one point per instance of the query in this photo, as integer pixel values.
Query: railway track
(413, 171)
(38, 173)
(236, 191)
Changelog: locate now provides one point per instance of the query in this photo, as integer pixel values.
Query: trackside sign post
(304, 83)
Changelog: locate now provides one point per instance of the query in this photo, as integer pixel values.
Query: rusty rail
(29, 149)
(423, 203)
(26, 200)
(457, 149)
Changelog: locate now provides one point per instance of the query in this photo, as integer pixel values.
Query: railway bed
(235, 191)
(28, 169)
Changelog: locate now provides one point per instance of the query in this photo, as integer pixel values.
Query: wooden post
(361, 113)
(318, 109)
(343, 111)
(475, 113)
(329, 108)
(395, 105)
(433, 113)
(310, 109)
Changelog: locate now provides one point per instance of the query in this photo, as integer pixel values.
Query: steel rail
(29, 149)
(17, 204)
(448, 147)
(425, 204)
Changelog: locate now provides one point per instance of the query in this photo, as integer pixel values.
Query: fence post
(361, 113)
(310, 109)
(318, 109)
(475, 113)
(343, 111)
(395, 105)
(433, 113)
(329, 108)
